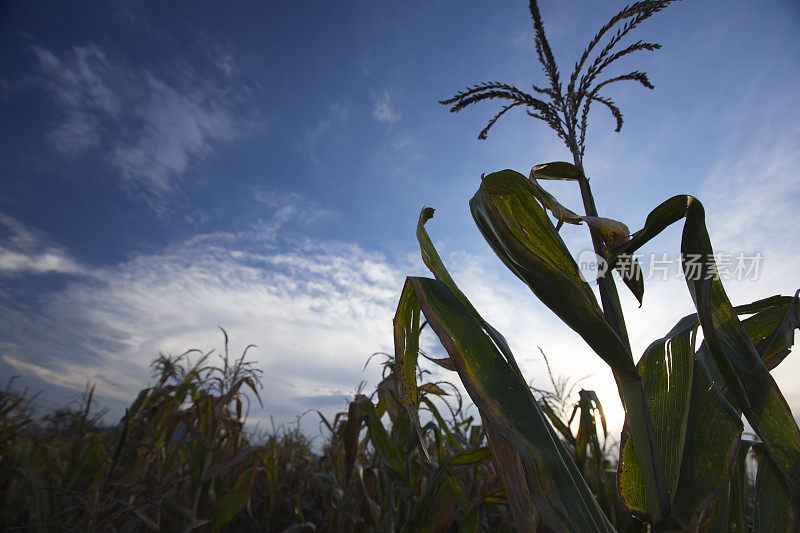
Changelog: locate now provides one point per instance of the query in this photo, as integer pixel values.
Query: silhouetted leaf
(750, 386)
(557, 170)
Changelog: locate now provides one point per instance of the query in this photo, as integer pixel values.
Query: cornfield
(181, 459)
(407, 457)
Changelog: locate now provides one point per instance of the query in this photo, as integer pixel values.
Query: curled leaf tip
(612, 232)
(557, 170)
(426, 214)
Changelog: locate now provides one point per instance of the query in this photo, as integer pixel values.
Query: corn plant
(181, 460)
(417, 478)
(681, 448)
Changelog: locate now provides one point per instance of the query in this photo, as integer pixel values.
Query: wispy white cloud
(403, 141)
(177, 129)
(752, 201)
(285, 208)
(315, 309)
(27, 251)
(336, 114)
(401, 145)
(382, 109)
(150, 129)
(81, 85)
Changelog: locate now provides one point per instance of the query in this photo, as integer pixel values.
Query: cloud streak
(27, 251)
(315, 309)
(382, 109)
(150, 129)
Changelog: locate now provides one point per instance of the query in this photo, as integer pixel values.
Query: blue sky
(260, 166)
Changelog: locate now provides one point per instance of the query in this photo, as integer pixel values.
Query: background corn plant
(180, 459)
(682, 452)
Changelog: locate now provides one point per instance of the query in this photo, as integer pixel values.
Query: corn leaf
(422, 507)
(519, 231)
(234, 500)
(702, 468)
(435, 264)
(561, 213)
(775, 347)
(696, 430)
(361, 411)
(775, 508)
(471, 456)
(378, 436)
(517, 228)
(537, 469)
(406, 347)
(751, 387)
(558, 424)
(558, 170)
(732, 510)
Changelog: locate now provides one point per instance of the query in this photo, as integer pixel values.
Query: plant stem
(608, 289)
(630, 385)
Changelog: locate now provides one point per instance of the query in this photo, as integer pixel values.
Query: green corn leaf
(595, 401)
(774, 348)
(475, 434)
(586, 440)
(612, 232)
(732, 511)
(433, 388)
(241, 456)
(444, 509)
(497, 497)
(422, 507)
(739, 488)
(378, 436)
(471, 521)
(233, 501)
(519, 231)
(537, 469)
(406, 347)
(697, 432)
(362, 410)
(558, 424)
(471, 456)
(750, 386)
(351, 431)
(561, 213)
(775, 509)
(435, 264)
(517, 228)
(138, 402)
(387, 398)
(371, 505)
(558, 170)
(451, 438)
